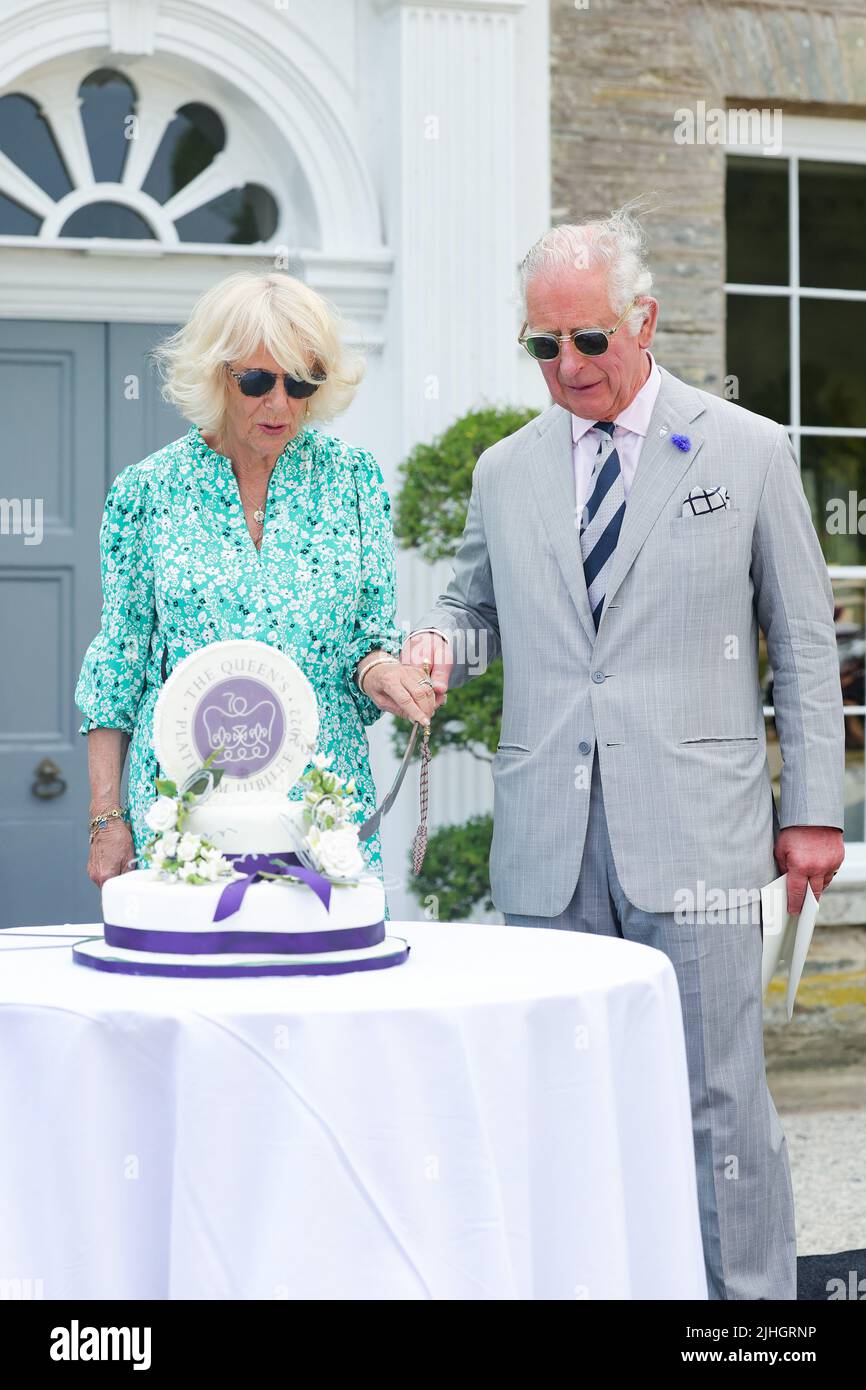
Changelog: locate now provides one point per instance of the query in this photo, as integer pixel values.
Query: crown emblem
(242, 730)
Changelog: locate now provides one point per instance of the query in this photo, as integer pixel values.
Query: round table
(505, 1116)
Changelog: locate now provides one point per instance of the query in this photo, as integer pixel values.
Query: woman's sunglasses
(258, 382)
(591, 342)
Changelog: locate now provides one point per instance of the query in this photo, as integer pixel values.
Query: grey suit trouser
(744, 1181)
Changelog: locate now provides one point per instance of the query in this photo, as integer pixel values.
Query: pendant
(259, 516)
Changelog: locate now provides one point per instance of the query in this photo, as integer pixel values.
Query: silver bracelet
(379, 659)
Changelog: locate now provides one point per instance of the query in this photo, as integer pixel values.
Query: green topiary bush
(431, 505)
(429, 515)
(454, 878)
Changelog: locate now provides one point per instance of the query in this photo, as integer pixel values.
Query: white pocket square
(706, 499)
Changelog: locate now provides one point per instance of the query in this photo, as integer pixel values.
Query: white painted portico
(406, 148)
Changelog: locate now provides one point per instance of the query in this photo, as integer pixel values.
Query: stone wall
(620, 69)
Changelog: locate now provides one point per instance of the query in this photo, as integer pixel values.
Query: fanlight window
(192, 141)
(107, 102)
(28, 140)
(107, 219)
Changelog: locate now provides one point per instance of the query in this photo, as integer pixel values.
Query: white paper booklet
(787, 937)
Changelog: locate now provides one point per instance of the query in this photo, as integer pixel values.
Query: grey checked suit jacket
(667, 691)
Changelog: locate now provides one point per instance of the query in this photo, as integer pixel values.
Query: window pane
(191, 142)
(848, 594)
(832, 223)
(833, 363)
(27, 139)
(853, 783)
(850, 613)
(756, 217)
(242, 215)
(833, 470)
(757, 354)
(17, 221)
(107, 99)
(107, 219)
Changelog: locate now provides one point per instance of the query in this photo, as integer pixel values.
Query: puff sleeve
(375, 615)
(111, 680)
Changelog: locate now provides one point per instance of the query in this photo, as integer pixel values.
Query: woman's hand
(111, 849)
(110, 853)
(397, 689)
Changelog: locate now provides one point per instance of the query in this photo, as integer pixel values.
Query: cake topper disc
(247, 699)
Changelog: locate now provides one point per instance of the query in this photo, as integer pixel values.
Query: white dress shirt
(630, 431)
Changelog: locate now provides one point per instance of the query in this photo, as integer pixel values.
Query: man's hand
(428, 649)
(808, 854)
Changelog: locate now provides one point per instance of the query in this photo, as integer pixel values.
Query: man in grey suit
(621, 552)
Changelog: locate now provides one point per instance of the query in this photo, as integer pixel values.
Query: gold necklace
(258, 512)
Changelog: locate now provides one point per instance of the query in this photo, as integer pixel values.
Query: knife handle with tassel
(419, 844)
(371, 825)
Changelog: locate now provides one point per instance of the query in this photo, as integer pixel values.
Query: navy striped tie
(602, 519)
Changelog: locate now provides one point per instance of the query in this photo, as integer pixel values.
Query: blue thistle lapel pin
(682, 441)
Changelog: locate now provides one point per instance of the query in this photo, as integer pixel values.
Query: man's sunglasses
(591, 342)
(258, 382)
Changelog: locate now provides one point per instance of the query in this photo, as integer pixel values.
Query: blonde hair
(300, 329)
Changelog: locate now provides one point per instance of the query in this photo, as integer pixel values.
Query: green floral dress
(180, 570)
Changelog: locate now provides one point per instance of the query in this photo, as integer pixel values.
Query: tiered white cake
(271, 909)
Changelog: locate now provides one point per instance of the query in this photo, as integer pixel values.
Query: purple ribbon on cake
(246, 942)
(252, 866)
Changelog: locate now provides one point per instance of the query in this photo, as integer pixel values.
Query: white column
(451, 204)
(463, 113)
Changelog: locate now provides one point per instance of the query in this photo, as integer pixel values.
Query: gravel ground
(828, 1169)
(816, 1068)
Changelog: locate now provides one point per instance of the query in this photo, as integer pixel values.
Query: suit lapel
(551, 468)
(660, 468)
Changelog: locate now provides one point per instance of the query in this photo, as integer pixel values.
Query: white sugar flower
(186, 871)
(156, 857)
(162, 814)
(169, 843)
(210, 866)
(338, 854)
(188, 846)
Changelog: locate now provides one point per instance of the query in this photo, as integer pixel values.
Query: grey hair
(618, 242)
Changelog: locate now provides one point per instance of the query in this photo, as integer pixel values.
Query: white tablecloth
(504, 1116)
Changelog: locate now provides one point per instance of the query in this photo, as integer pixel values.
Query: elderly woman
(253, 524)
